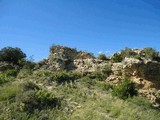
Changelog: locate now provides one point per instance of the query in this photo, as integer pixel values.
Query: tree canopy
(11, 55)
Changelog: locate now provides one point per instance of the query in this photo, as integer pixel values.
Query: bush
(9, 91)
(42, 73)
(26, 64)
(125, 89)
(12, 73)
(65, 77)
(128, 52)
(117, 58)
(11, 55)
(141, 102)
(150, 53)
(29, 86)
(3, 79)
(102, 57)
(32, 100)
(104, 86)
(98, 75)
(107, 69)
(24, 73)
(7, 76)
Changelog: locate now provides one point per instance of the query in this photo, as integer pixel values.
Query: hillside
(76, 85)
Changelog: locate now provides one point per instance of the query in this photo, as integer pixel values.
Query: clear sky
(91, 25)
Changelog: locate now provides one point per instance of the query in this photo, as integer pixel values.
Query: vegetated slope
(73, 85)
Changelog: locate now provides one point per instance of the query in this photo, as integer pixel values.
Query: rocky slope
(146, 74)
(136, 65)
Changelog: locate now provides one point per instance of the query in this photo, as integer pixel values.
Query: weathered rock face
(80, 65)
(117, 73)
(143, 71)
(149, 70)
(64, 58)
(130, 67)
(89, 65)
(146, 74)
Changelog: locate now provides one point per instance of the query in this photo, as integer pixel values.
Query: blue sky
(91, 25)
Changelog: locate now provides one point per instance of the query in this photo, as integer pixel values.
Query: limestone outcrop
(139, 68)
(145, 73)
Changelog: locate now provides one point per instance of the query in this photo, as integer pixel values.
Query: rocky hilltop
(76, 85)
(141, 66)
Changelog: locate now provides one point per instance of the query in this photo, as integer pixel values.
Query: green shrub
(150, 53)
(47, 99)
(42, 73)
(24, 73)
(65, 77)
(4, 79)
(9, 91)
(11, 55)
(104, 86)
(107, 69)
(137, 57)
(7, 76)
(75, 75)
(29, 86)
(12, 73)
(61, 77)
(141, 102)
(102, 57)
(117, 58)
(32, 100)
(125, 89)
(98, 75)
(26, 64)
(128, 52)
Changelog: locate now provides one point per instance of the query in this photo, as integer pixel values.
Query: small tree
(125, 89)
(102, 57)
(11, 55)
(117, 58)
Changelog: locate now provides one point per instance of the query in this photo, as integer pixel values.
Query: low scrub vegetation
(125, 89)
(32, 100)
(77, 97)
(65, 77)
(7, 76)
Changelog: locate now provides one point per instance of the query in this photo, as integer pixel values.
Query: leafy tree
(11, 55)
(102, 57)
